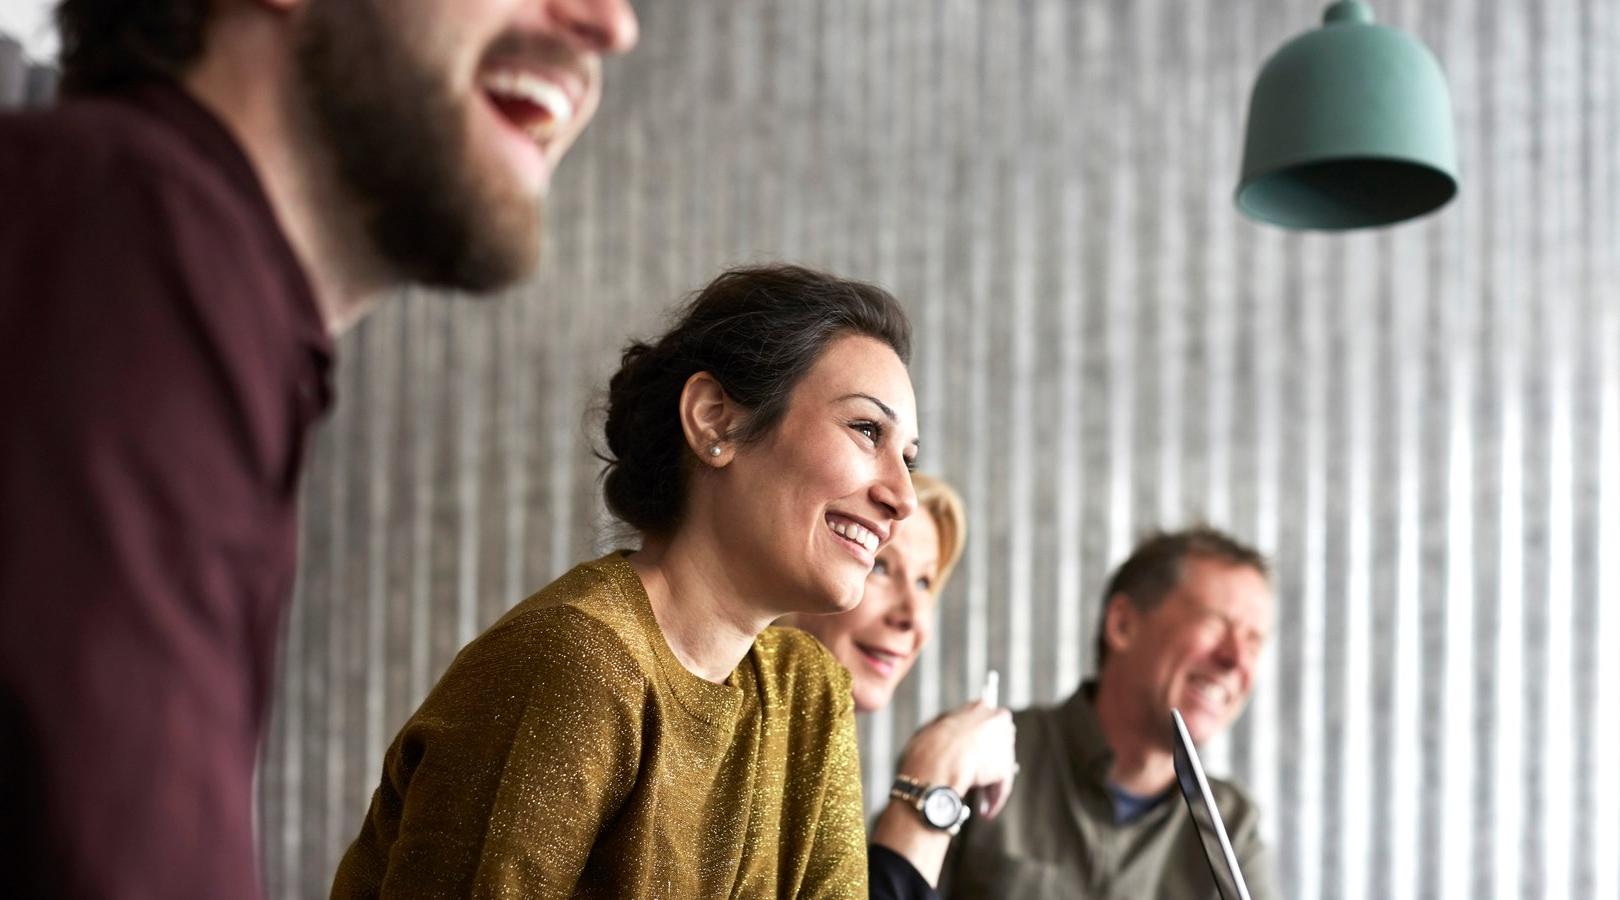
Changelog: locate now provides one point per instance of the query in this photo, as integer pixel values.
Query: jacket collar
(1089, 752)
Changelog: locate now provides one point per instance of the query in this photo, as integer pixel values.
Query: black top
(163, 361)
(891, 876)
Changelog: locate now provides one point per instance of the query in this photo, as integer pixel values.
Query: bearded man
(227, 185)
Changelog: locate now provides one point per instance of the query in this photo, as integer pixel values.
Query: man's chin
(495, 245)
(1204, 727)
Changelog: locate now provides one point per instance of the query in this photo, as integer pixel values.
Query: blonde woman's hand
(969, 747)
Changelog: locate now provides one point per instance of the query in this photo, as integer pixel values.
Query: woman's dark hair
(757, 330)
(111, 44)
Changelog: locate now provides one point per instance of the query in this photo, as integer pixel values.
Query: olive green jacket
(1057, 838)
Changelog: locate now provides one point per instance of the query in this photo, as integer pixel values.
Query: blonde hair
(943, 504)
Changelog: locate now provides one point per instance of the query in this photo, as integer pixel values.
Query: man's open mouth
(533, 105)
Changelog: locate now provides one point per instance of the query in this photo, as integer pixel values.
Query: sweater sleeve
(837, 865)
(500, 784)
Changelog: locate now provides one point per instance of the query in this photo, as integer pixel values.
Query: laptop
(1223, 864)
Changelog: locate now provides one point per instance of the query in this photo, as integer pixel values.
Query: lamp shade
(1349, 127)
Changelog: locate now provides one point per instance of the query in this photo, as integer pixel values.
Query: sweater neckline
(717, 704)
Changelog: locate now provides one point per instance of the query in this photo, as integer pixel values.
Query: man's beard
(394, 132)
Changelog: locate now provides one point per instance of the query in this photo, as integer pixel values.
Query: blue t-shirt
(1129, 807)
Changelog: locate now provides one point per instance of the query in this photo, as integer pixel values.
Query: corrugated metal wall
(1422, 423)
(23, 82)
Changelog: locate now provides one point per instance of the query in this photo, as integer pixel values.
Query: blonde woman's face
(879, 640)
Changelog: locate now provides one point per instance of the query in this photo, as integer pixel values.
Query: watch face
(942, 807)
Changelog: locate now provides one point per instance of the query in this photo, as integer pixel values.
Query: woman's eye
(872, 430)
(880, 568)
(925, 583)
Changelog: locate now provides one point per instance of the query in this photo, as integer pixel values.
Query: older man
(1096, 813)
(227, 185)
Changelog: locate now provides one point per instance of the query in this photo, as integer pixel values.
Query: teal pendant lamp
(1349, 127)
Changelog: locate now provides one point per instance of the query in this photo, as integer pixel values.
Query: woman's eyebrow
(888, 412)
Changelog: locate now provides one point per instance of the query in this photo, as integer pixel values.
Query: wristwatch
(939, 805)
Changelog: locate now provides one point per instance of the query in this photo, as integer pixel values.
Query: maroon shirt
(162, 362)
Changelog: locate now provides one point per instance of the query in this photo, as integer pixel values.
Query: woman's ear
(708, 417)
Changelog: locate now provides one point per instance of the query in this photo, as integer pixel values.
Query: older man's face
(1197, 650)
(446, 119)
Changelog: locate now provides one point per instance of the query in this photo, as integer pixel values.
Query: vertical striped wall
(23, 81)
(1422, 424)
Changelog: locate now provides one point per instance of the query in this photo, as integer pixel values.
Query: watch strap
(909, 790)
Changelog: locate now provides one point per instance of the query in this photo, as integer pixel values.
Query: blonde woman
(968, 748)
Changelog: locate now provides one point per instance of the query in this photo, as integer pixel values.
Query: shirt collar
(171, 103)
(1091, 756)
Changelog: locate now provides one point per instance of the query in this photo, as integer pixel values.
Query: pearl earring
(714, 449)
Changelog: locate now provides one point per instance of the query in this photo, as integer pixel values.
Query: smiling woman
(636, 728)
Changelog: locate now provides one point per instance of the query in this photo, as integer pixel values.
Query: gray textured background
(1421, 423)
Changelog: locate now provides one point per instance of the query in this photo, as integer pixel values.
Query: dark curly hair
(1154, 569)
(111, 44)
(757, 330)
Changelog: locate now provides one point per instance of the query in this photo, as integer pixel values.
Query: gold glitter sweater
(568, 753)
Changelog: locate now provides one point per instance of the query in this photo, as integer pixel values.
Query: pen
(989, 695)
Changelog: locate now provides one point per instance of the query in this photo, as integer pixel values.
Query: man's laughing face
(1196, 650)
(446, 118)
